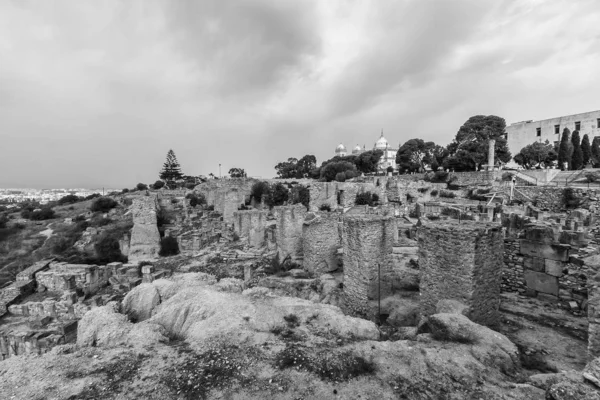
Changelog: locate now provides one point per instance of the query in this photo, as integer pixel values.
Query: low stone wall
(366, 240)
(553, 198)
(289, 230)
(461, 261)
(321, 239)
(65, 277)
(212, 187)
(473, 178)
(251, 225)
(145, 238)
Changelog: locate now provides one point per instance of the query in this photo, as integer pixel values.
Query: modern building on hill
(388, 159)
(521, 134)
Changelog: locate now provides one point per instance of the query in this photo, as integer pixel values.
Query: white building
(521, 134)
(388, 159)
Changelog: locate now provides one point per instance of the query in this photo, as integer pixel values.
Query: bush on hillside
(325, 207)
(158, 185)
(448, 194)
(141, 186)
(258, 190)
(69, 199)
(108, 249)
(95, 196)
(103, 204)
(366, 198)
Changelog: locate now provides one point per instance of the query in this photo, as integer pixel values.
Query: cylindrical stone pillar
(366, 240)
(491, 161)
(462, 261)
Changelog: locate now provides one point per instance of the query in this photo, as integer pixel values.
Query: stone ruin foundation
(463, 262)
(145, 238)
(289, 231)
(250, 225)
(321, 241)
(366, 241)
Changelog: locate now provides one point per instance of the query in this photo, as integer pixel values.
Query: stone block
(556, 252)
(147, 269)
(534, 263)
(554, 268)
(547, 297)
(541, 282)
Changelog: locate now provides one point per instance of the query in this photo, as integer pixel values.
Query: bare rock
(297, 273)
(140, 301)
(591, 372)
(230, 285)
(569, 390)
(448, 306)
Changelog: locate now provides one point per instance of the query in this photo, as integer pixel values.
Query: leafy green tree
(237, 173)
(469, 149)
(536, 154)
(366, 162)
(298, 169)
(141, 186)
(413, 155)
(596, 151)
(564, 150)
(171, 169)
(158, 184)
(586, 149)
(577, 157)
(330, 170)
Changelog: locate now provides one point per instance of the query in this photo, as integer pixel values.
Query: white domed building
(388, 159)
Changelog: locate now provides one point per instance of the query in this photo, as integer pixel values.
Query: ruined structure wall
(366, 240)
(211, 187)
(594, 317)
(321, 240)
(251, 225)
(322, 193)
(553, 198)
(145, 238)
(289, 230)
(461, 261)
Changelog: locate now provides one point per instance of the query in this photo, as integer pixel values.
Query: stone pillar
(251, 224)
(145, 238)
(366, 241)
(491, 161)
(463, 262)
(321, 241)
(289, 230)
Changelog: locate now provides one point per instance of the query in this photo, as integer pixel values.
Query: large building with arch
(389, 153)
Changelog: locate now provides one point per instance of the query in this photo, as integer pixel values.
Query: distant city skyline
(95, 93)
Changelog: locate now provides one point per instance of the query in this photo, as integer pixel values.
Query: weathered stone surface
(593, 307)
(451, 307)
(145, 238)
(570, 390)
(549, 251)
(321, 240)
(534, 263)
(463, 262)
(289, 230)
(140, 301)
(591, 372)
(554, 268)
(250, 224)
(366, 241)
(542, 282)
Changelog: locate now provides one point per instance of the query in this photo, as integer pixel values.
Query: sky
(95, 93)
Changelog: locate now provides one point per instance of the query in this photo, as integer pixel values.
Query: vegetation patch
(447, 194)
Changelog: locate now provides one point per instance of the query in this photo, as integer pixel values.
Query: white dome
(357, 149)
(381, 143)
(340, 149)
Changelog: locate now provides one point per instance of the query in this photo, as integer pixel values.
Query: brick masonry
(321, 239)
(462, 261)
(289, 231)
(366, 240)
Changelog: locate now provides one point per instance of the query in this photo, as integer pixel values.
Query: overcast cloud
(94, 93)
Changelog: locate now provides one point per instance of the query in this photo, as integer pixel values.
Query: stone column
(289, 230)
(491, 161)
(463, 262)
(366, 240)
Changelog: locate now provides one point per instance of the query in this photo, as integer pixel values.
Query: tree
(596, 151)
(305, 165)
(413, 155)
(141, 186)
(171, 169)
(294, 168)
(158, 184)
(586, 149)
(469, 149)
(330, 170)
(536, 154)
(577, 157)
(103, 204)
(564, 150)
(366, 162)
(237, 173)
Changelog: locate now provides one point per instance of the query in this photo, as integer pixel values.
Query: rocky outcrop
(140, 301)
(145, 238)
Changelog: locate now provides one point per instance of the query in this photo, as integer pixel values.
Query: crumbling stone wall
(289, 231)
(461, 261)
(593, 312)
(512, 273)
(227, 202)
(251, 225)
(63, 277)
(366, 241)
(399, 272)
(212, 187)
(321, 239)
(323, 193)
(145, 238)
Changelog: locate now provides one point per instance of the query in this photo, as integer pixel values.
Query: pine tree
(171, 169)
(596, 151)
(563, 150)
(586, 148)
(577, 158)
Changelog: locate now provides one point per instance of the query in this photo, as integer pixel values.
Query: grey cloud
(245, 46)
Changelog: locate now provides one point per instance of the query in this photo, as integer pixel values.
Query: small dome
(357, 149)
(340, 149)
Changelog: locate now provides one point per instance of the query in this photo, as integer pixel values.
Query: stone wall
(473, 178)
(461, 261)
(366, 241)
(212, 187)
(289, 231)
(321, 239)
(594, 314)
(323, 193)
(512, 272)
(145, 238)
(251, 225)
(63, 277)
(553, 198)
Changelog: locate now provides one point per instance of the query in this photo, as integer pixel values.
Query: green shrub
(95, 195)
(125, 191)
(108, 249)
(278, 195)
(258, 190)
(303, 196)
(168, 246)
(447, 194)
(158, 184)
(103, 204)
(422, 190)
(366, 198)
(43, 214)
(3, 221)
(325, 207)
(69, 199)
(434, 192)
(141, 186)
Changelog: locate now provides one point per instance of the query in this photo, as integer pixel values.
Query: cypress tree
(563, 149)
(586, 149)
(171, 169)
(577, 157)
(596, 151)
